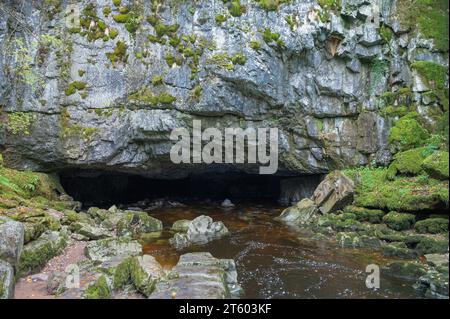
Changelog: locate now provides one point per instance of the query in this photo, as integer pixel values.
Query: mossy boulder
(143, 272)
(405, 270)
(98, 290)
(428, 245)
(408, 162)
(354, 240)
(181, 225)
(398, 249)
(133, 224)
(37, 253)
(403, 193)
(408, 133)
(90, 231)
(363, 214)
(436, 165)
(399, 221)
(432, 226)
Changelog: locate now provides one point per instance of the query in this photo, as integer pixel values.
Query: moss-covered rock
(142, 272)
(37, 253)
(362, 214)
(408, 133)
(432, 226)
(408, 162)
(436, 165)
(428, 245)
(403, 193)
(398, 249)
(135, 223)
(98, 290)
(405, 270)
(399, 221)
(354, 240)
(6, 280)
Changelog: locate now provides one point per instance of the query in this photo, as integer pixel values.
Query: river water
(276, 261)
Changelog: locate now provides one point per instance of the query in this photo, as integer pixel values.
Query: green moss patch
(98, 290)
(119, 54)
(432, 226)
(408, 162)
(408, 133)
(399, 221)
(436, 165)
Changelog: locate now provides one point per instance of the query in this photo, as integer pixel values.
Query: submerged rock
(181, 225)
(227, 203)
(200, 231)
(104, 249)
(301, 213)
(11, 240)
(200, 276)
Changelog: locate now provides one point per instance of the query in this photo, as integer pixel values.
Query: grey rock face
(312, 84)
(11, 240)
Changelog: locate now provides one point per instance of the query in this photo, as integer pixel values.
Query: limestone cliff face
(101, 84)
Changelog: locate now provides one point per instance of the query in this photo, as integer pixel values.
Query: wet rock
(104, 249)
(354, 240)
(36, 253)
(181, 225)
(405, 269)
(201, 230)
(6, 280)
(437, 260)
(434, 284)
(398, 249)
(227, 204)
(334, 193)
(199, 276)
(136, 223)
(11, 240)
(299, 214)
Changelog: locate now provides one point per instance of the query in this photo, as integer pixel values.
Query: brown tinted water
(276, 261)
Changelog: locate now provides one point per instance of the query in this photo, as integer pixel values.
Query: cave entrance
(101, 188)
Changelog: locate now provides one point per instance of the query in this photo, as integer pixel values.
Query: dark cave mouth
(103, 188)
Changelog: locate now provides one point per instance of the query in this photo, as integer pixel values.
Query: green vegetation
(255, 45)
(399, 221)
(19, 123)
(119, 54)
(74, 87)
(145, 95)
(221, 18)
(157, 80)
(269, 37)
(407, 133)
(430, 17)
(407, 162)
(362, 214)
(403, 193)
(432, 226)
(98, 290)
(436, 165)
(227, 62)
(235, 8)
(386, 33)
